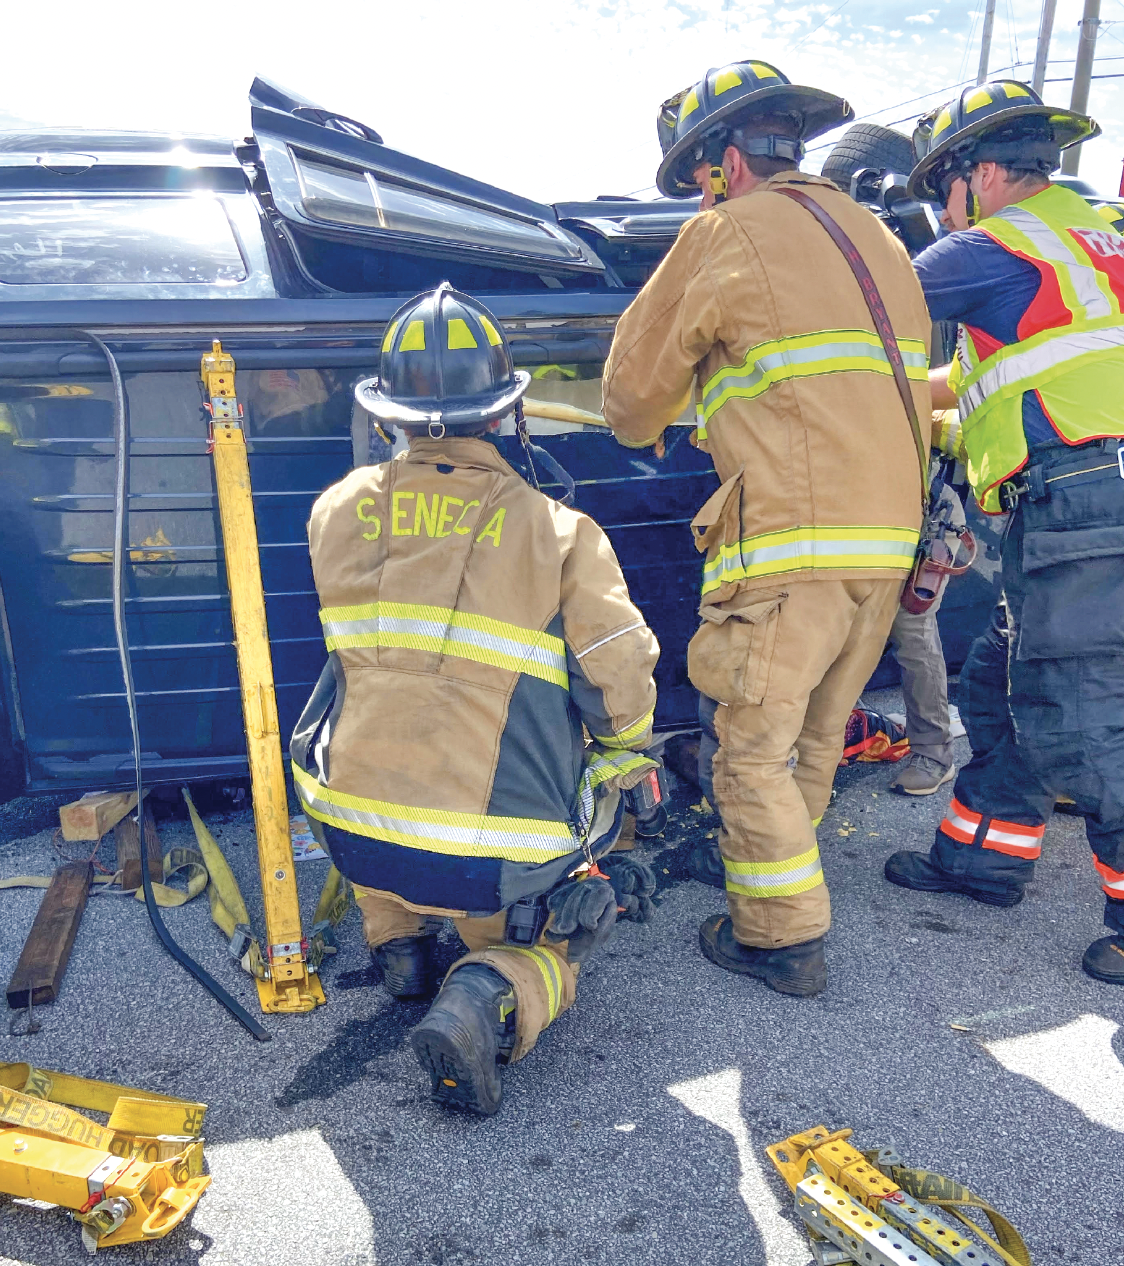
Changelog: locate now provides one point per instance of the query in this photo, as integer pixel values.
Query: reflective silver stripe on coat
(1083, 277)
(1015, 368)
(447, 633)
(743, 381)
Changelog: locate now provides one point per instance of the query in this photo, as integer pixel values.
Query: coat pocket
(1073, 593)
(730, 657)
(718, 522)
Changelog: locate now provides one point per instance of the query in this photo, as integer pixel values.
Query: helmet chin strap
(560, 473)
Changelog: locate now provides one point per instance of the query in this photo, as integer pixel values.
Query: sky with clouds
(554, 99)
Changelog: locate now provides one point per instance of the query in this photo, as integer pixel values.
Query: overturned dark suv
(293, 247)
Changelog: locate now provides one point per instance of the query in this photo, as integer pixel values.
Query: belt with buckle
(1033, 481)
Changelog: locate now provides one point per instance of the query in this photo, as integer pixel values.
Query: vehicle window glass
(345, 196)
(276, 402)
(70, 424)
(117, 241)
(578, 386)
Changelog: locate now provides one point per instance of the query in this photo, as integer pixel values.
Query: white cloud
(551, 100)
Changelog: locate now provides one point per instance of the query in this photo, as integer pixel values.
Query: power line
(963, 83)
(793, 47)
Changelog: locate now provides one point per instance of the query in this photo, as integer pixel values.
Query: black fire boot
(704, 863)
(919, 872)
(407, 966)
(794, 969)
(1104, 960)
(465, 1034)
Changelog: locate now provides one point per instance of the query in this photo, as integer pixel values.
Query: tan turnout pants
(786, 667)
(543, 978)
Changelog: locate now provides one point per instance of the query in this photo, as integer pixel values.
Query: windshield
(117, 241)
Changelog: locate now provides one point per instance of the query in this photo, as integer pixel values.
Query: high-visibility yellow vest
(1070, 346)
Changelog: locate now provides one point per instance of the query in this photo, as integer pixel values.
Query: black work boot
(407, 966)
(1104, 960)
(794, 969)
(919, 872)
(465, 1034)
(704, 863)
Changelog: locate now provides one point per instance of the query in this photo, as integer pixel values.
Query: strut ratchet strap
(229, 913)
(945, 1193)
(879, 316)
(137, 1118)
(178, 860)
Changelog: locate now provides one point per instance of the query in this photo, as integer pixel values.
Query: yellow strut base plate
(277, 997)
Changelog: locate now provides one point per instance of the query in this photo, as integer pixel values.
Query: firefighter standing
(814, 528)
(473, 625)
(1037, 287)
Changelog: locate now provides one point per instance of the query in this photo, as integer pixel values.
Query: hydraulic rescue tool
(938, 551)
(286, 979)
(135, 1178)
(870, 1209)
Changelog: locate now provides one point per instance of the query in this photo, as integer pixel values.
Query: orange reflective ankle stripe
(1016, 839)
(960, 823)
(1113, 879)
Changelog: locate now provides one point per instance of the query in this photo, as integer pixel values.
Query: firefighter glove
(584, 912)
(634, 882)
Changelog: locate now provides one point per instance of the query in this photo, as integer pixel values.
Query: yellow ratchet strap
(822, 1167)
(945, 1193)
(134, 1178)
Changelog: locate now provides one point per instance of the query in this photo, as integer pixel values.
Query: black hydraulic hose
(120, 545)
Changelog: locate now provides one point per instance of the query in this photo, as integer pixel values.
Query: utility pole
(1041, 56)
(985, 43)
(1082, 74)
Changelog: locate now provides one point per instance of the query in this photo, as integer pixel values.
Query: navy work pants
(1042, 690)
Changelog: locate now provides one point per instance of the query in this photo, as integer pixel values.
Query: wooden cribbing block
(127, 838)
(42, 962)
(93, 815)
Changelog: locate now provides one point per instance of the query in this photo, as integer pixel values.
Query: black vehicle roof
(328, 223)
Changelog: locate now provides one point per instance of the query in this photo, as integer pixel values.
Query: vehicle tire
(868, 145)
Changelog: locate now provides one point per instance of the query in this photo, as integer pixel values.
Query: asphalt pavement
(635, 1132)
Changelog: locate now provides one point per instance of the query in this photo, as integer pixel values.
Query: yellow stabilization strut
(289, 984)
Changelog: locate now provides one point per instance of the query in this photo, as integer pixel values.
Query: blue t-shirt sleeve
(968, 277)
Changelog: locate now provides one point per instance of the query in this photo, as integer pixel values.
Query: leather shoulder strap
(878, 315)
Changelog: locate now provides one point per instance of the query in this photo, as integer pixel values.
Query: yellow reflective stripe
(700, 422)
(804, 548)
(544, 960)
(623, 738)
(1034, 362)
(601, 768)
(436, 830)
(775, 879)
(443, 631)
(947, 436)
(775, 868)
(806, 355)
(1085, 290)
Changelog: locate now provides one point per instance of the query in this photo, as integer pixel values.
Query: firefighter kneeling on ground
(1037, 286)
(473, 625)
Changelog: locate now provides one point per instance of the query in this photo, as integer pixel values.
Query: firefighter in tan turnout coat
(814, 528)
(473, 626)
